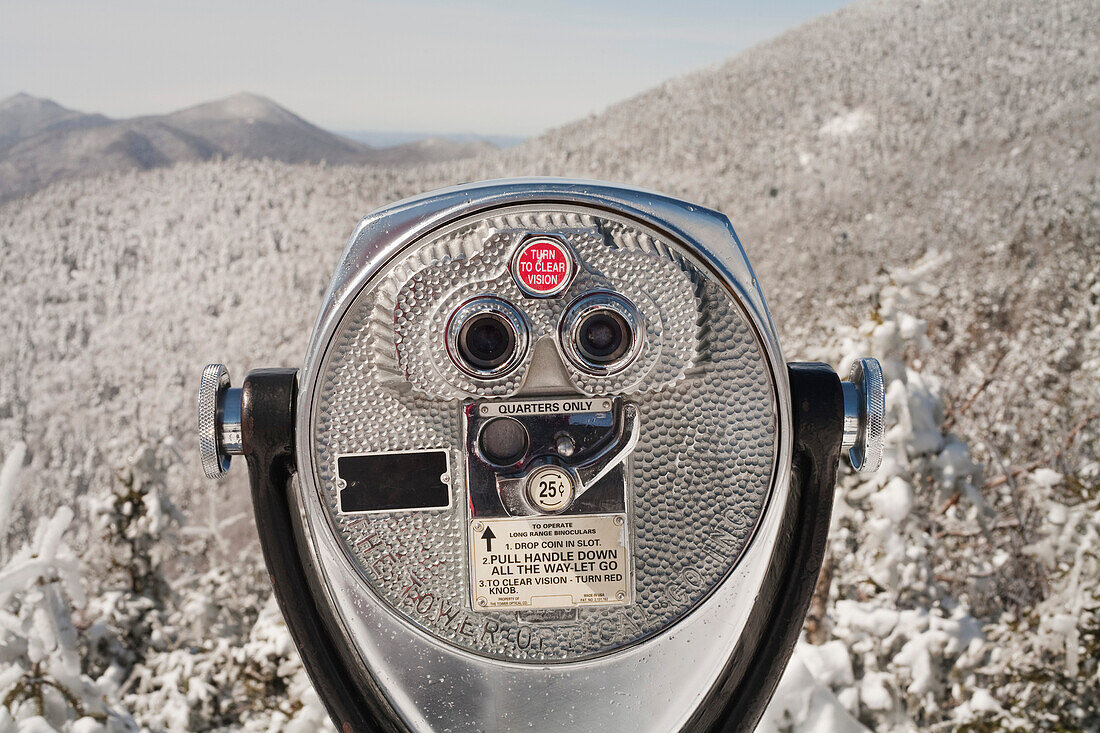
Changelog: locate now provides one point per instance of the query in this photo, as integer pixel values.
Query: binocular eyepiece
(598, 333)
(544, 467)
(487, 337)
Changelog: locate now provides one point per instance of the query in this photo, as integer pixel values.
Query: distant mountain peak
(22, 100)
(244, 106)
(17, 97)
(250, 98)
(24, 116)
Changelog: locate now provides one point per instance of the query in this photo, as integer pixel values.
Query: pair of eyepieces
(600, 333)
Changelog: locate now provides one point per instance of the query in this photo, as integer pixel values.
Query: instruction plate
(550, 562)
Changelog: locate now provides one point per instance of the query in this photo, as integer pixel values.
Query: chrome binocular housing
(544, 467)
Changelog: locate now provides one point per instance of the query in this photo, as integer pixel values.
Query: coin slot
(503, 441)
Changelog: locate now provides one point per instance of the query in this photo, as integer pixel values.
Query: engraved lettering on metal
(545, 407)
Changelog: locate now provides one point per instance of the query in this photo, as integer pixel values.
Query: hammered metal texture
(700, 474)
(659, 289)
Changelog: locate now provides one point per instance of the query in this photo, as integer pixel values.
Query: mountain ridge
(42, 142)
(23, 115)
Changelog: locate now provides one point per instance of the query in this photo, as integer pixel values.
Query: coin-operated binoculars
(544, 468)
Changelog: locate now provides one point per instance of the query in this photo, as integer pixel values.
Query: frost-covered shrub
(904, 648)
(900, 646)
(229, 659)
(150, 648)
(1046, 660)
(126, 559)
(190, 649)
(42, 683)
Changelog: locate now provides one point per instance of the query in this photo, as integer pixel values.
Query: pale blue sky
(489, 66)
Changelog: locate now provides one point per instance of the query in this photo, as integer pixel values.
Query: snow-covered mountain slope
(941, 156)
(962, 129)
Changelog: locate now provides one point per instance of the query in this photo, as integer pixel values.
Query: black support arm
(267, 425)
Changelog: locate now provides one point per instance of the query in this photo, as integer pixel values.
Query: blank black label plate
(388, 482)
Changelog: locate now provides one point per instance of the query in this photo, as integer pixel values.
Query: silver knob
(865, 415)
(219, 421)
